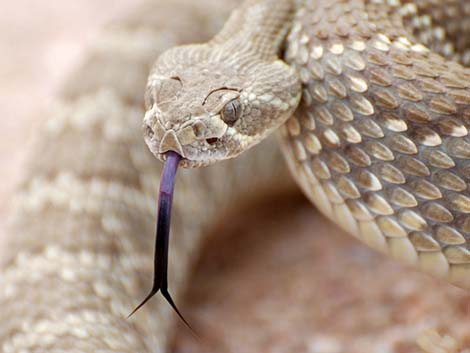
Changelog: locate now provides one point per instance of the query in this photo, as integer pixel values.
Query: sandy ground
(299, 285)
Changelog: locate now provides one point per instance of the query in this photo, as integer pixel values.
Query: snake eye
(232, 112)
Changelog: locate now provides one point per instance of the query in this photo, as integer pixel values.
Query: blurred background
(298, 290)
(40, 42)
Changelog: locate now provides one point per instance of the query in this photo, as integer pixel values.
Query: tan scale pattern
(384, 127)
(81, 240)
(442, 25)
(379, 144)
(82, 219)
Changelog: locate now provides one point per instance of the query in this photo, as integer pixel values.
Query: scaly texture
(82, 227)
(380, 140)
(378, 144)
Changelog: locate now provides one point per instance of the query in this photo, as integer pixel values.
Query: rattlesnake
(378, 143)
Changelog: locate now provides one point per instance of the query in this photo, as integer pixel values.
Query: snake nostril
(212, 140)
(149, 131)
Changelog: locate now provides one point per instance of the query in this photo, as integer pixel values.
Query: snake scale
(378, 142)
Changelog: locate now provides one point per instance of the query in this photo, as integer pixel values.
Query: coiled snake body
(379, 143)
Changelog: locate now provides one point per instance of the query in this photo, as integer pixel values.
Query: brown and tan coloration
(83, 219)
(380, 141)
(189, 87)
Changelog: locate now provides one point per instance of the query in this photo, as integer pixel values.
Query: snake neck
(257, 29)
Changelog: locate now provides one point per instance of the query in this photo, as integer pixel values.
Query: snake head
(209, 104)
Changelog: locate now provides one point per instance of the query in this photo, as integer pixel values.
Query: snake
(369, 99)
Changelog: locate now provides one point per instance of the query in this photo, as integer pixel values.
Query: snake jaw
(165, 200)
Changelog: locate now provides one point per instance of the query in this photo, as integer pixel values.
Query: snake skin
(379, 144)
(81, 230)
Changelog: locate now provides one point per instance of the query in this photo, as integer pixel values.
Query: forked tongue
(165, 199)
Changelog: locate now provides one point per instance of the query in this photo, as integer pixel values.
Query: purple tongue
(160, 277)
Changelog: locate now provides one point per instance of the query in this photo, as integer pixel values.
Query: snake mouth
(184, 162)
(165, 201)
